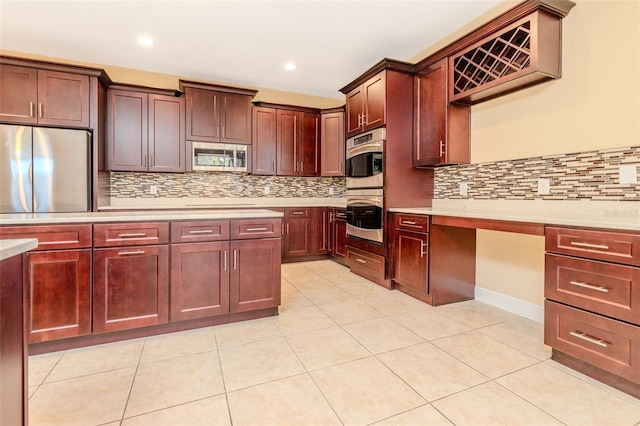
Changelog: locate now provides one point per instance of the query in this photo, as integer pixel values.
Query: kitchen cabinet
(332, 144)
(592, 306)
(45, 97)
(298, 232)
(442, 129)
(217, 113)
(320, 228)
(145, 130)
(264, 141)
(366, 105)
(337, 233)
(131, 276)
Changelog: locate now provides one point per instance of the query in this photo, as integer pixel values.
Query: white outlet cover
(153, 189)
(628, 173)
(544, 186)
(464, 189)
(266, 190)
(330, 191)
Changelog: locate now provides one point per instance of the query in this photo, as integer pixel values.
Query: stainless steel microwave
(219, 157)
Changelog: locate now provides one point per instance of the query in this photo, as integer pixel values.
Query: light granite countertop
(200, 203)
(10, 248)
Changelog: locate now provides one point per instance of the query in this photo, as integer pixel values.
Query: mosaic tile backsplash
(591, 175)
(222, 185)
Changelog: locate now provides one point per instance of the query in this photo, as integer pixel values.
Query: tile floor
(342, 351)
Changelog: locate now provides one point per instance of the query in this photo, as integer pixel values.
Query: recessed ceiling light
(289, 66)
(145, 41)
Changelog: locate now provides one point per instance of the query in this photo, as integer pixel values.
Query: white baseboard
(511, 304)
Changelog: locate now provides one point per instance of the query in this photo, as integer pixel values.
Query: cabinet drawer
(245, 229)
(606, 343)
(199, 231)
(297, 212)
(52, 237)
(604, 288)
(130, 234)
(613, 246)
(412, 222)
(363, 261)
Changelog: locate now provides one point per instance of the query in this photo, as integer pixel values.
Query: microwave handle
(364, 148)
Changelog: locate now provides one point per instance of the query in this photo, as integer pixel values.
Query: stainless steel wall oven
(365, 214)
(365, 160)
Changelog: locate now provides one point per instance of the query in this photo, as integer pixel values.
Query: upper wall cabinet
(332, 145)
(366, 107)
(217, 113)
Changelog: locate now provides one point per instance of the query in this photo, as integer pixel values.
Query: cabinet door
(199, 280)
(255, 274)
(320, 230)
(338, 244)
(130, 287)
(63, 99)
(203, 115)
(355, 110)
(235, 118)
(264, 141)
(166, 134)
(410, 260)
(332, 144)
(288, 123)
(58, 294)
(374, 102)
(127, 114)
(298, 237)
(18, 94)
(309, 145)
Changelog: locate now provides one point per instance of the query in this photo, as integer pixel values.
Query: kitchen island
(98, 277)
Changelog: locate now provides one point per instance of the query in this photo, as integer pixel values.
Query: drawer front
(130, 234)
(613, 246)
(604, 288)
(199, 231)
(368, 263)
(412, 222)
(246, 229)
(52, 237)
(606, 343)
(297, 212)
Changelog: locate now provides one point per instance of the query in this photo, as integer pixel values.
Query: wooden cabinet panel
(130, 287)
(612, 246)
(255, 274)
(58, 294)
(130, 234)
(332, 146)
(297, 212)
(366, 105)
(244, 229)
(63, 99)
(166, 146)
(203, 115)
(18, 94)
(355, 110)
(127, 130)
(417, 223)
(199, 231)
(365, 263)
(320, 229)
(411, 260)
(199, 280)
(235, 118)
(309, 145)
(51, 237)
(288, 123)
(264, 141)
(297, 237)
(338, 233)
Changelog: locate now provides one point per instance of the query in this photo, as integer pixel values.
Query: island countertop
(13, 247)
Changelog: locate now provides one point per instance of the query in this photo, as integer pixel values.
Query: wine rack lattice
(501, 56)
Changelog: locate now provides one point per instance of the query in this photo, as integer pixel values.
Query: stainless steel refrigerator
(44, 170)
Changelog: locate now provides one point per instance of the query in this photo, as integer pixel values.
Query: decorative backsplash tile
(589, 175)
(222, 185)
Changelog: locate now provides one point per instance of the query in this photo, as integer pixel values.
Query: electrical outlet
(544, 187)
(153, 189)
(331, 191)
(464, 189)
(628, 173)
(266, 190)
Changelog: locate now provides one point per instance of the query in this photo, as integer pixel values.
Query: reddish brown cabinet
(217, 113)
(366, 105)
(145, 131)
(320, 229)
(442, 129)
(32, 96)
(264, 141)
(298, 232)
(337, 233)
(332, 145)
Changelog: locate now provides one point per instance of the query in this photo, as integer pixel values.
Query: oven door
(364, 166)
(365, 214)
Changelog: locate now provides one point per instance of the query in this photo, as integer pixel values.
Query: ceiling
(237, 42)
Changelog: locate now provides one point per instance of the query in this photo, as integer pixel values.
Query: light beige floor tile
(175, 381)
(430, 371)
(32, 390)
(302, 320)
(97, 359)
(569, 399)
(321, 296)
(475, 314)
(382, 334)
(425, 415)
(294, 300)
(208, 411)
(175, 345)
(310, 281)
(244, 332)
(428, 324)
(41, 365)
(491, 404)
(523, 334)
(394, 302)
(286, 286)
(350, 310)
(488, 356)
(93, 399)
(323, 348)
(258, 362)
(365, 391)
(322, 267)
(290, 401)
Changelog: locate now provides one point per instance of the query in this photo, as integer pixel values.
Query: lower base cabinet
(255, 274)
(337, 246)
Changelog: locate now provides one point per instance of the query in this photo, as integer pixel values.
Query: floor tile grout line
(224, 383)
(133, 381)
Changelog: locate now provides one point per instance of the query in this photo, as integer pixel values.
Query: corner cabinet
(145, 130)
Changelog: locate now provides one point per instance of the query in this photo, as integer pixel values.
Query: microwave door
(16, 161)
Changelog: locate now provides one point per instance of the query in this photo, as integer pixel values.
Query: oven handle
(375, 202)
(364, 148)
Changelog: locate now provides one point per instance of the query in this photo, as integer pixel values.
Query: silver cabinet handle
(130, 253)
(588, 245)
(301, 167)
(287, 229)
(144, 161)
(364, 120)
(235, 259)
(273, 165)
(132, 235)
(361, 260)
(297, 213)
(441, 148)
(589, 339)
(224, 135)
(408, 222)
(589, 286)
(225, 260)
(423, 249)
(203, 231)
(359, 120)
(256, 229)
(31, 111)
(40, 114)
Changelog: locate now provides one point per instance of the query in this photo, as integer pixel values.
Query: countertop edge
(14, 247)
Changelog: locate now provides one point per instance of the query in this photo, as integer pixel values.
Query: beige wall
(595, 105)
